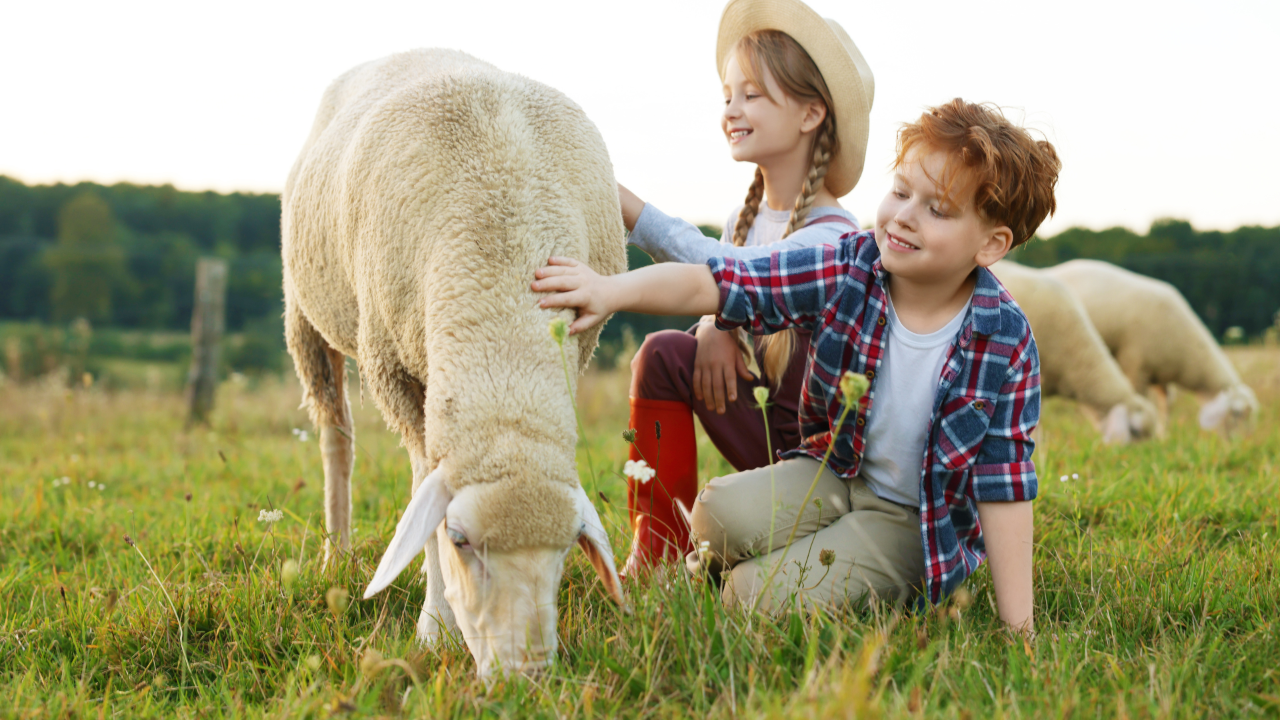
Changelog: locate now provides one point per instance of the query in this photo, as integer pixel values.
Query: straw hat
(847, 74)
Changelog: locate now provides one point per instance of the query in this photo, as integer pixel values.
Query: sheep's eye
(459, 540)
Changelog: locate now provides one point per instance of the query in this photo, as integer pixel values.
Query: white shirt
(770, 224)
(900, 416)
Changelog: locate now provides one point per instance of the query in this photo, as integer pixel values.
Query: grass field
(1157, 584)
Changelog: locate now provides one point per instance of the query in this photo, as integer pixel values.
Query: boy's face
(923, 240)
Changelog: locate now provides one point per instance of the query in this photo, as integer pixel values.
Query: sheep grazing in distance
(430, 188)
(1159, 341)
(1074, 361)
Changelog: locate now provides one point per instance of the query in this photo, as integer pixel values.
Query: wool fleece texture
(1074, 361)
(1157, 338)
(430, 188)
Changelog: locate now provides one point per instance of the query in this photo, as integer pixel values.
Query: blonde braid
(779, 347)
(750, 208)
(813, 181)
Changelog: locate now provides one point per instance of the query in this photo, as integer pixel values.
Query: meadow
(1157, 582)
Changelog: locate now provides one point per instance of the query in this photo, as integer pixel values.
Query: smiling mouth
(899, 243)
(737, 135)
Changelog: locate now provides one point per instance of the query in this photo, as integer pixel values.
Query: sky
(1157, 109)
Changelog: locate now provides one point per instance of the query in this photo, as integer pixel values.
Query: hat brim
(846, 73)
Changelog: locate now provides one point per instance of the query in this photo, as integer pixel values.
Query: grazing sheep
(431, 187)
(1158, 340)
(1074, 362)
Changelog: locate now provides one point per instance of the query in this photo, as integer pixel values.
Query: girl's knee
(659, 363)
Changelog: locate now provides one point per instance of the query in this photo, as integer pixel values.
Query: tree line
(124, 256)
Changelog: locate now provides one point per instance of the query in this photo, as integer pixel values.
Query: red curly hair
(1012, 175)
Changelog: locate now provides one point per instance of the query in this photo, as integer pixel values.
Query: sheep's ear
(1115, 428)
(594, 541)
(420, 519)
(1214, 412)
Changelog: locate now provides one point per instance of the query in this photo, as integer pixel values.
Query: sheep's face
(1129, 421)
(1230, 411)
(504, 600)
(502, 549)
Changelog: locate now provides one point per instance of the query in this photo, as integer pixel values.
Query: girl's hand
(577, 286)
(717, 366)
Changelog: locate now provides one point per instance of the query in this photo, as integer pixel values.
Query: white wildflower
(302, 436)
(101, 487)
(1064, 478)
(1075, 476)
(92, 484)
(639, 471)
(704, 548)
(270, 516)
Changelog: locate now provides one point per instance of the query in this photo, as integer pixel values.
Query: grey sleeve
(668, 239)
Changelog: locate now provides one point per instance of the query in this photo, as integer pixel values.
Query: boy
(938, 457)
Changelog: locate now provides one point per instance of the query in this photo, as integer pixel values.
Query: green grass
(1157, 584)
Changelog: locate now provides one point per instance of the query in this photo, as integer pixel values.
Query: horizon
(1146, 118)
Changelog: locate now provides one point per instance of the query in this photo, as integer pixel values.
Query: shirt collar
(984, 308)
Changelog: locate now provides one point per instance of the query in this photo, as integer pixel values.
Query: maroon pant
(663, 370)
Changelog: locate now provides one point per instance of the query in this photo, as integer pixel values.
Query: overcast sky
(1157, 109)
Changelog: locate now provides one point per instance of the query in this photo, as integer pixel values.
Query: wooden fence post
(208, 320)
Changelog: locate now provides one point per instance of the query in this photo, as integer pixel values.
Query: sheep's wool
(431, 187)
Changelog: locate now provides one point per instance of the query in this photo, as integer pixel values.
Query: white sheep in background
(431, 187)
(1158, 340)
(1074, 361)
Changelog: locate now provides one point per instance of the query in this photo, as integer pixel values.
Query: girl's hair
(798, 76)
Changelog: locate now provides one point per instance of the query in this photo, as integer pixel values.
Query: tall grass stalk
(852, 388)
(182, 635)
(559, 331)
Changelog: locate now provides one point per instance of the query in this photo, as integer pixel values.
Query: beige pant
(877, 544)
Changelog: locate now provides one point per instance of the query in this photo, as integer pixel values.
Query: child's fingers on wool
(584, 321)
(565, 261)
(547, 271)
(560, 283)
(573, 298)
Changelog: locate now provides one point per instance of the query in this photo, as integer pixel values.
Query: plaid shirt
(986, 405)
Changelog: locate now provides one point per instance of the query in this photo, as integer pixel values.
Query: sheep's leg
(337, 447)
(437, 617)
(1159, 395)
(322, 371)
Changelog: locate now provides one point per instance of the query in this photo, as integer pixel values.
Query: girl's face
(761, 130)
(926, 240)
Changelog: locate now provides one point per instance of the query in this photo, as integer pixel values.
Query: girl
(797, 98)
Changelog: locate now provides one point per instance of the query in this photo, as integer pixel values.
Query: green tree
(87, 263)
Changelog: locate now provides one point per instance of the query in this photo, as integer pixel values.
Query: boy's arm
(664, 289)
(1007, 529)
(1005, 483)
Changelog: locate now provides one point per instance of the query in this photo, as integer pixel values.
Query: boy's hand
(577, 286)
(717, 365)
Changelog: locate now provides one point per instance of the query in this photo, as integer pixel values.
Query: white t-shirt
(770, 224)
(899, 419)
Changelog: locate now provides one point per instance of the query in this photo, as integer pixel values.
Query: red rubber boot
(661, 532)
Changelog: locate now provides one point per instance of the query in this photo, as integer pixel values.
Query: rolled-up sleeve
(1004, 471)
(791, 288)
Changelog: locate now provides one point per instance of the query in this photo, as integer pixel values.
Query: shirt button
(978, 404)
(861, 421)
(880, 320)
(871, 374)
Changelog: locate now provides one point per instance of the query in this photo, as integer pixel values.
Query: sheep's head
(1229, 411)
(1129, 421)
(503, 546)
